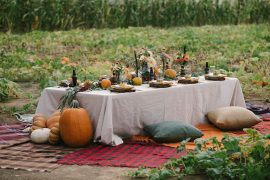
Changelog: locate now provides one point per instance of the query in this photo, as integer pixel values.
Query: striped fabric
(17, 152)
(12, 134)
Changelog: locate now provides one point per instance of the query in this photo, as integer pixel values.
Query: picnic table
(119, 115)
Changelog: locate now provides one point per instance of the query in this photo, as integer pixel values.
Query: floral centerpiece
(147, 58)
(116, 70)
(148, 65)
(182, 59)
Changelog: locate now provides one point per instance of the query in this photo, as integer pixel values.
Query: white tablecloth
(121, 115)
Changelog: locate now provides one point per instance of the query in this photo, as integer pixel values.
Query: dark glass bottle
(206, 69)
(167, 66)
(145, 73)
(151, 74)
(74, 78)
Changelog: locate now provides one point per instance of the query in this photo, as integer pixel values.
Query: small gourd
(40, 136)
(170, 73)
(137, 81)
(54, 136)
(53, 119)
(105, 83)
(39, 121)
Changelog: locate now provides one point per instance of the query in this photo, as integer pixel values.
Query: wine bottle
(167, 66)
(151, 74)
(206, 69)
(74, 78)
(145, 73)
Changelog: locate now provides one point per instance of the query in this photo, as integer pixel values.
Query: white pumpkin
(40, 136)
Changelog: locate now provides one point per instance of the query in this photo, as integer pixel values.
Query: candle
(136, 64)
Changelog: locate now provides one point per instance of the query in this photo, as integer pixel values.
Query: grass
(36, 56)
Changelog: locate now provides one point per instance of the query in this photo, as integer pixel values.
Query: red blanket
(125, 155)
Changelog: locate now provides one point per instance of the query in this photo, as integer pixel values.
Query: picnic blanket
(12, 134)
(209, 131)
(265, 117)
(17, 152)
(124, 155)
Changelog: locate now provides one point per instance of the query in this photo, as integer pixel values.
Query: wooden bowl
(215, 77)
(188, 81)
(120, 89)
(164, 84)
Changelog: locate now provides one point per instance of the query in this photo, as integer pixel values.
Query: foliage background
(34, 38)
(27, 15)
(36, 56)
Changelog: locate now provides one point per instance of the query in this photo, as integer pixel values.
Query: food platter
(219, 77)
(192, 80)
(160, 84)
(122, 88)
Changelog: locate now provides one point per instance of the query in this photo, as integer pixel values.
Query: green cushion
(172, 131)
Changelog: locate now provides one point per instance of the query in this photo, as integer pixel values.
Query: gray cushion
(172, 131)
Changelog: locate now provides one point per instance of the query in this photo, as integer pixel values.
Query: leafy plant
(245, 157)
(67, 99)
(8, 89)
(27, 108)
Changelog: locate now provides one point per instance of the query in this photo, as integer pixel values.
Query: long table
(118, 115)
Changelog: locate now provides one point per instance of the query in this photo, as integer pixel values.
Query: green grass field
(36, 56)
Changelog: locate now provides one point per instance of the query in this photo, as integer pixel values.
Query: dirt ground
(69, 172)
(77, 172)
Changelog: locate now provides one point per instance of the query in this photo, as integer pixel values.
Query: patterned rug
(12, 134)
(262, 127)
(17, 152)
(125, 155)
(210, 131)
(265, 117)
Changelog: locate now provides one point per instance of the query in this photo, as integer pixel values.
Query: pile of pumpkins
(73, 126)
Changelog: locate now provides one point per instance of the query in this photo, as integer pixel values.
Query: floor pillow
(172, 131)
(233, 118)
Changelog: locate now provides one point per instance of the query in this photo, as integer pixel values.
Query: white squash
(40, 136)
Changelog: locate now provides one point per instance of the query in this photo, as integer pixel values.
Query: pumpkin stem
(75, 104)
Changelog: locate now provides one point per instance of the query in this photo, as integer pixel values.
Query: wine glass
(212, 70)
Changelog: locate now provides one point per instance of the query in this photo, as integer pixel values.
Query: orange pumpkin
(137, 81)
(53, 119)
(76, 127)
(170, 73)
(105, 83)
